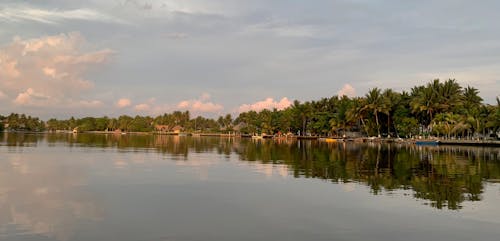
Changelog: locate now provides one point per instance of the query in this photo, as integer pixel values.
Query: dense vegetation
(21, 122)
(438, 108)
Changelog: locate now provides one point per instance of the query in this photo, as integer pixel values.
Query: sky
(61, 58)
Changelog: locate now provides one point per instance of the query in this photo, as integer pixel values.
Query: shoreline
(422, 142)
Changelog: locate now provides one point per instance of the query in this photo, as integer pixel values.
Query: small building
(162, 128)
(177, 129)
(237, 128)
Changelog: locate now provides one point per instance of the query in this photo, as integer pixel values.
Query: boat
(330, 140)
(427, 142)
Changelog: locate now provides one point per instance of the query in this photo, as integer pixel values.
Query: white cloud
(30, 97)
(48, 70)
(88, 104)
(123, 102)
(3, 95)
(55, 16)
(268, 103)
(200, 105)
(142, 107)
(282, 28)
(347, 90)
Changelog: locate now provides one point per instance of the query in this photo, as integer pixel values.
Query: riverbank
(434, 141)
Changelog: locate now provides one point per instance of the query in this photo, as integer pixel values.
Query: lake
(168, 188)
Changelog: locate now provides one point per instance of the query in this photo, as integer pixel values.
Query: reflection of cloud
(268, 103)
(349, 186)
(120, 164)
(265, 169)
(199, 166)
(270, 170)
(39, 197)
(283, 170)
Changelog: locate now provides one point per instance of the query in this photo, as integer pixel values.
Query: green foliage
(2, 118)
(21, 122)
(440, 108)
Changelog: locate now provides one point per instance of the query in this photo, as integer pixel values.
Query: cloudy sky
(60, 58)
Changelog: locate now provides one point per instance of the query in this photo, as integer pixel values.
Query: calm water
(107, 187)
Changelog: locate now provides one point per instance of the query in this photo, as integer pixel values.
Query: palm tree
(357, 112)
(112, 124)
(391, 100)
(425, 101)
(471, 98)
(375, 104)
(449, 95)
(303, 112)
(472, 104)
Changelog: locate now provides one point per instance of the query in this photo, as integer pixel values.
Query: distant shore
(431, 141)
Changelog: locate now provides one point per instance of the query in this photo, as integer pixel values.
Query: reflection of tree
(43, 197)
(446, 176)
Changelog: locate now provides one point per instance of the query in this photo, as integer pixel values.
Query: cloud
(48, 70)
(123, 102)
(347, 90)
(177, 35)
(268, 103)
(200, 105)
(55, 16)
(89, 104)
(30, 97)
(142, 107)
(282, 28)
(3, 95)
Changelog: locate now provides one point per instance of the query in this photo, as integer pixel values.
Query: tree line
(21, 122)
(439, 108)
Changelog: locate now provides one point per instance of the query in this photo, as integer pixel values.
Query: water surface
(145, 187)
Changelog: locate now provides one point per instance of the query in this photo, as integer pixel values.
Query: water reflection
(40, 196)
(444, 176)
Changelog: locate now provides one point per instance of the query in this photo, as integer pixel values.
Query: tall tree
(375, 104)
